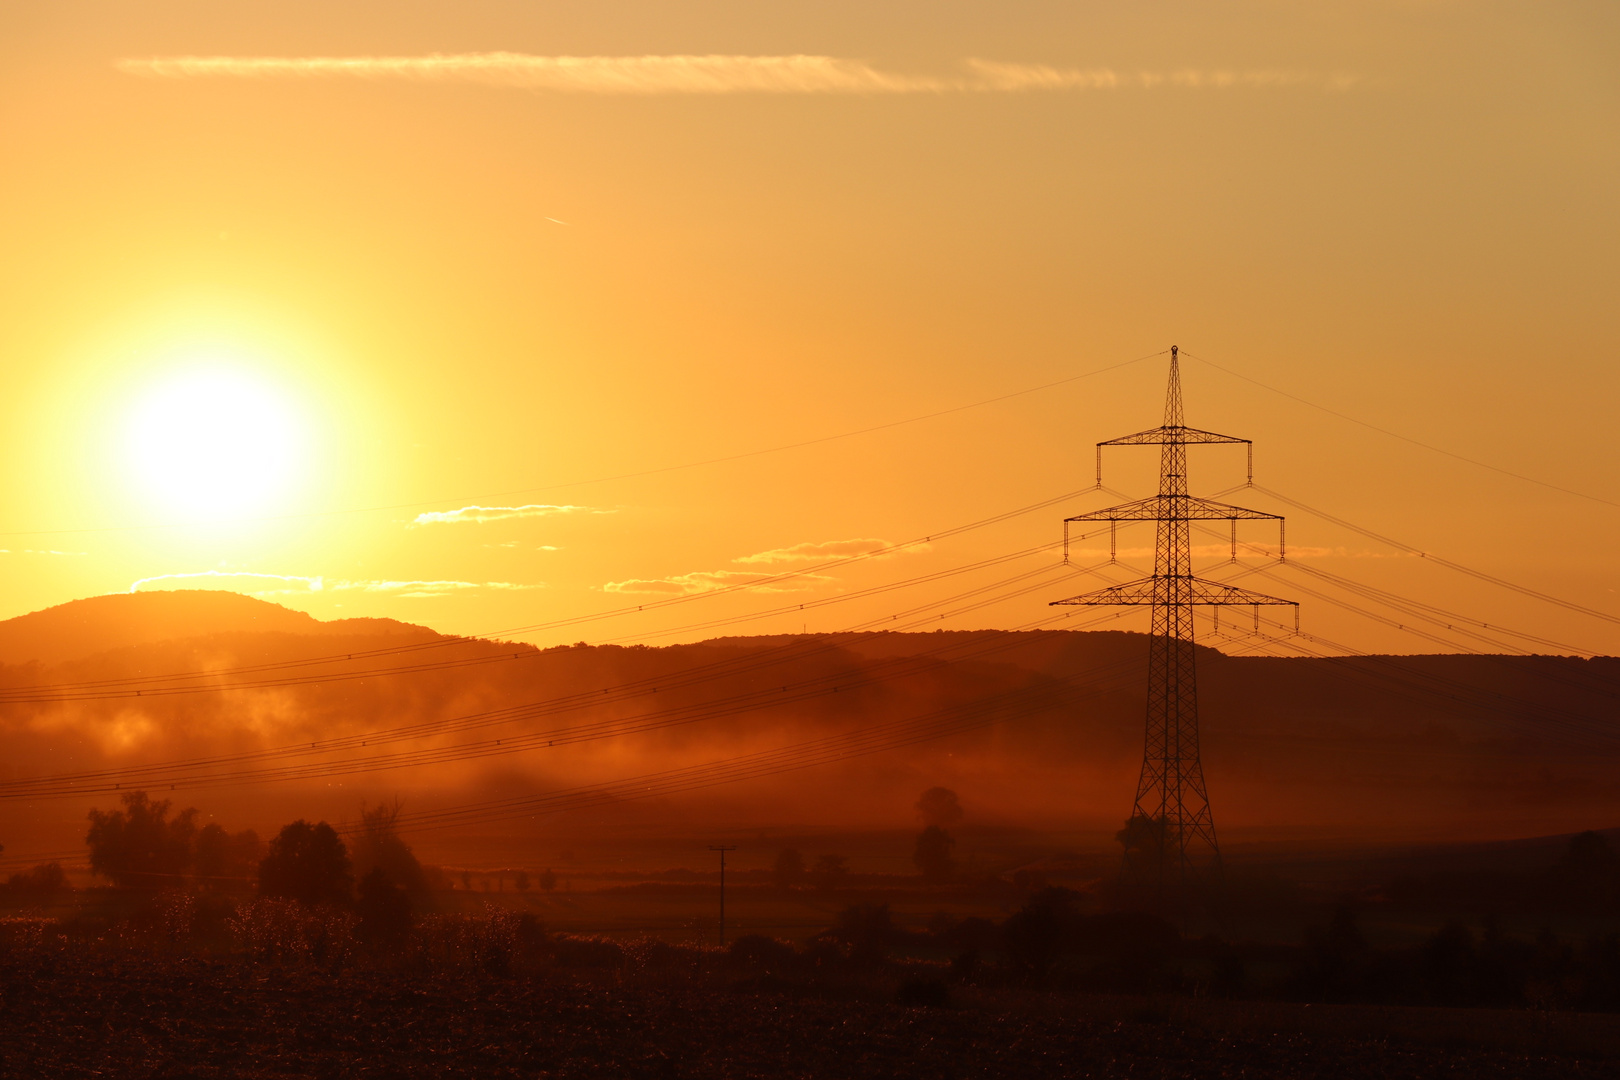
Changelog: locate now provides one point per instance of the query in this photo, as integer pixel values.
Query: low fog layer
(1442, 747)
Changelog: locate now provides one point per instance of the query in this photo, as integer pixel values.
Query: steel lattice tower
(1170, 837)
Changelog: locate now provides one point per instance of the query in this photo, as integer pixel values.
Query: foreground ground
(142, 1017)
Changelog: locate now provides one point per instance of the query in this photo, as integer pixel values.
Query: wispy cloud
(1012, 78)
(421, 590)
(40, 551)
(234, 581)
(481, 514)
(711, 74)
(702, 581)
(826, 549)
(577, 74)
(255, 584)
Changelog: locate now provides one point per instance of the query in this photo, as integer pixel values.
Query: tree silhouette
(939, 806)
(548, 880)
(789, 868)
(307, 863)
(379, 846)
(830, 872)
(868, 930)
(140, 847)
(1587, 879)
(933, 854)
(45, 879)
(220, 858)
(1036, 935)
(384, 909)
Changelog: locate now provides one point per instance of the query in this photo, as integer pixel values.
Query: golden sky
(418, 259)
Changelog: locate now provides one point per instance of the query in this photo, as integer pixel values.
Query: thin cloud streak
(1014, 78)
(826, 549)
(569, 74)
(710, 74)
(702, 581)
(481, 514)
(276, 583)
(290, 584)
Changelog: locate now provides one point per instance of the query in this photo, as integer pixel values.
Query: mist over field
(1298, 750)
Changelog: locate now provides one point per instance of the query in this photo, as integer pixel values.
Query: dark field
(88, 1016)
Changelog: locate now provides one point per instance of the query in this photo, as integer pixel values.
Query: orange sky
(476, 282)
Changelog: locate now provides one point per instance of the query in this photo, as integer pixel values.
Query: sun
(214, 442)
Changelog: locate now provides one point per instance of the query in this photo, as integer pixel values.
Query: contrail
(711, 74)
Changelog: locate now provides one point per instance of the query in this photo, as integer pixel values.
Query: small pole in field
(722, 849)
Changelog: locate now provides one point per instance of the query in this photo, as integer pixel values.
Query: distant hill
(99, 624)
(1367, 748)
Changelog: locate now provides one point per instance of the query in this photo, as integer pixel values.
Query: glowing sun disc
(214, 442)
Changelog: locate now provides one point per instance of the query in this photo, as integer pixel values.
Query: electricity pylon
(1170, 838)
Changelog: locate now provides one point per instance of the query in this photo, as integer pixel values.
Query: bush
(384, 910)
(933, 855)
(223, 860)
(307, 863)
(379, 846)
(40, 882)
(1045, 928)
(282, 930)
(868, 931)
(139, 847)
(586, 952)
(756, 952)
(923, 991)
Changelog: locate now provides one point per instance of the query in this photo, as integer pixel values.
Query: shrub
(760, 953)
(140, 847)
(42, 881)
(281, 930)
(587, 952)
(933, 854)
(868, 930)
(923, 991)
(221, 859)
(307, 863)
(378, 845)
(384, 910)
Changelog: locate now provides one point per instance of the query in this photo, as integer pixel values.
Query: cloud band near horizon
(711, 74)
(257, 584)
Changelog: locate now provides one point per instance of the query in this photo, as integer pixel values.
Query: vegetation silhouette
(40, 882)
(940, 806)
(378, 846)
(830, 872)
(932, 855)
(307, 863)
(384, 910)
(788, 870)
(140, 846)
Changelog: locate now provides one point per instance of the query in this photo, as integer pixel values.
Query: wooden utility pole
(722, 849)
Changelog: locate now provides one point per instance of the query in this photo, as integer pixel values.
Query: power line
(182, 774)
(151, 685)
(600, 479)
(1420, 553)
(1407, 438)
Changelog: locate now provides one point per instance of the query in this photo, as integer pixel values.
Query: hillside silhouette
(1410, 748)
(99, 624)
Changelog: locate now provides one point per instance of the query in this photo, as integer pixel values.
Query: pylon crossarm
(1159, 436)
(1134, 592)
(1188, 590)
(1174, 507)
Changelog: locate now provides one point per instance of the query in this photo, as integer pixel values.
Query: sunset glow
(708, 538)
(214, 442)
